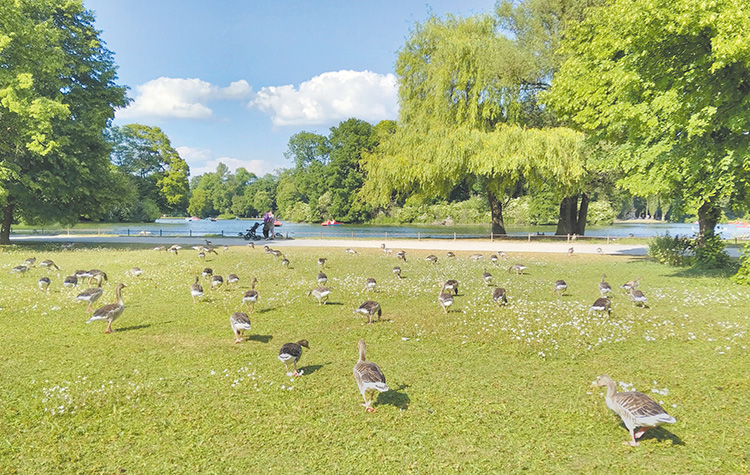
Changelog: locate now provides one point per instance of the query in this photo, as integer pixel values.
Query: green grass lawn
(482, 389)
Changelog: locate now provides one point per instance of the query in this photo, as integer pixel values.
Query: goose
(502, 254)
(160, 248)
(570, 251)
(604, 287)
(601, 304)
(292, 352)
(49, 263)
(599, 251)
(349, 250)
(401, 255)
(207, 272)
(135, 272)
(369, 308)
(322, 261)
(431, 258)
(386, 250)
(476, 257)
(321, 293)
(196, 290)
(232, 279)
(96, 274)
(216, 281)
(494, 259)
(500, 296)
(276, 253)
(451, 284)
(561, 286)
(517, 268)
(487, 277)
(370, 284)
(91, 295)
(636, 410)
(111, 311)
(630, 285)
(19, 270)
(201, 255)
(30, 262)
(70, 281)
(285, 262)
(638, 298)
(239, 321)
(174, 249)
(397, 272)
(251, 245)
(450, 254)
(322, 278)
(44, 284)
(251, 296)
(225, 247)
(445, 299)
(369, 377)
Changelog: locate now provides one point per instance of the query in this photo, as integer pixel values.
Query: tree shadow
(260, 338)
(134, 327)
(395, 397)
(310, 369)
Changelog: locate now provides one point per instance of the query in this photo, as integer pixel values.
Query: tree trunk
(496, 209)
(10, 206)
(572, 217)
(708, 216)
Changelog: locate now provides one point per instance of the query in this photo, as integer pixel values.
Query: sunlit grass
(482, 389)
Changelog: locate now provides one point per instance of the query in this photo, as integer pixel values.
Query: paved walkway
(476, 245)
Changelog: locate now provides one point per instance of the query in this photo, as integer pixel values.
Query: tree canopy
(668, 83)
(57, 95)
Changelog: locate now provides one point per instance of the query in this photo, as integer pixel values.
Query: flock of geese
(637, 410)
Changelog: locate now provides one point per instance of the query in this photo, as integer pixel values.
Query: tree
(57, 95)
(160, 172)
(666, 82)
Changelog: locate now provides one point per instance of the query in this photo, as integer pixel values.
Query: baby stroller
(251, 233)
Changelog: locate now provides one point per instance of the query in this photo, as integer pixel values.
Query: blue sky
(230, 81)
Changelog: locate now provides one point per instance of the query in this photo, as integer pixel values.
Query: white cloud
(201, 161)
(331, 97)
(181, 98)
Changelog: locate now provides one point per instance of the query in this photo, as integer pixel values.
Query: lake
(181, 227)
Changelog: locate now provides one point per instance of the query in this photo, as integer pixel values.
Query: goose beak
(594, 385)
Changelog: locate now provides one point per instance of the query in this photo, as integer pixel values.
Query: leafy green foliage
(743, 273)
(673, 251)
(710, 254)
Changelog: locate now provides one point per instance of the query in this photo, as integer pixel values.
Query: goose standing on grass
(322, 278)
(386, 250)
(49, 264)
(494, 259)
(111, 311)
(369, 378)
(349, 250)
(397, 272)
(401, 255)
(70, 281)
(322, 262)
(285, 262)
(604, 287)
(450, 254)
(639, 300)
(196, 290)
(370, 284)
(517, 268)
(599, 251)
(630, 285)
(30, 262)
(487, 277)
(239, 321)
(321, 293)
(445, 299)
(135, 272)
(19, 270)
(216, 281)
(600, 305)
(476, 257)
(636, 410)
(560, 287)
(207, 272)
(369, 308)
(98, 275)
(291, 352)
(233, 279)
(44, 284)
(251, 296)
(201, 255)
(431, 258)
(500, 296)
(91, 295)
(451, 284)
(570, 251)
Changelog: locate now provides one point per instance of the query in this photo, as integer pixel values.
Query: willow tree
(666, 81)
(468, 108)
(57, 95)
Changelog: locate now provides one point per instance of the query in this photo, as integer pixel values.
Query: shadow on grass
(307, 370)
(134, 327)
(661, 434)
(395, 397)
(700, 272)
(261, 338)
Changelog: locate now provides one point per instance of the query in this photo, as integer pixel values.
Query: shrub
(710, 254)
(673, 251)
(743, 274)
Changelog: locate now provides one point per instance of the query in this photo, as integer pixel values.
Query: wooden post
(454, 235)
(386, 235)
(607, 238)
(529, 237)
(419, 236)
(492, 236)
